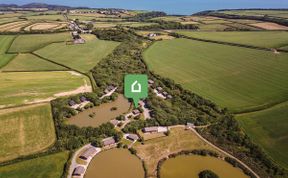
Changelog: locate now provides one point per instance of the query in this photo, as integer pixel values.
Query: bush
(207, 174)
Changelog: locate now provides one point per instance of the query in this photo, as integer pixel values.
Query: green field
(50, 166)
(26, 87)
(269, 129)
(25, 130)
(30, 62)
(29, 43)
(5, 42)
(273, 13)
(233, 77)
(46, 17)
(82, 57)
(212, 27)
(266, 39)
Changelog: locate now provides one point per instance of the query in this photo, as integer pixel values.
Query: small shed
(169, 96)
(71, 102)
(83, 98)
(88, 153)
(132, 137)
(159, 89)
(114, 122)
(108, 141)
(150, 82)
(164, 93)
(150, 129)
(78, 171)
(136, 111)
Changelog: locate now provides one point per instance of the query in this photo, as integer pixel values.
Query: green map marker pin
(136, 87)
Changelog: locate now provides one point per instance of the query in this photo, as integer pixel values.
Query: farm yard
(79, 57)
(47, 166)
(32, 87)
(27, 130)
(269, 129)
(243, 82)
(266, 39)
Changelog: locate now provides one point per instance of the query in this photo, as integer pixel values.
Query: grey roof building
(78, 171)
(88, 153)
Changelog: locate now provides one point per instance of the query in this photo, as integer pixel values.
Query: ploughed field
(50, 166)
(25, 130)
(269, 129)
(32, 87)
(190, 166)
(267, 39)
(238, 78)
(113, 163)
(82, 57)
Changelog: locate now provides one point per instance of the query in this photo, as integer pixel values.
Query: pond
(115, 163)
(101, 114)
(190, 166)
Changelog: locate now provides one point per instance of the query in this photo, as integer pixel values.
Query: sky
(168, 6)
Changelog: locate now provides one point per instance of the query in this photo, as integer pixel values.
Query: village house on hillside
(155, 129)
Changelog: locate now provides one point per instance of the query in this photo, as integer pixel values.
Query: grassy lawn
(29, 43)
(82, 57)
(5, 41)
(268, 39)
(212, 27)
(25, 130)
(273, 13)
(269, 129)
(233, 77)
(30, 62)
(179, 139)
(24, 87)
(50, 166)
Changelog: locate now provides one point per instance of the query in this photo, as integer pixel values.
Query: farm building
(169, 97)
(83, 99)
(152, 35)
(89, 153)
(109, 88)
(78, 171)
(71, 102)
(190, 126)
(132, 137)
(114, 122)
(150, 129)
(155, 129)
(136, 111)
(108, 141)
(159, 89)
(150, 82)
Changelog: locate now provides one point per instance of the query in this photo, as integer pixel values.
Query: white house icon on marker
(134, 88)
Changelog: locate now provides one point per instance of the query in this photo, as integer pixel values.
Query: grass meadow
(238, 78)
(267, 39)
(81, 57)
(26, 130)
(30, 62)
(50, 166)
(19, 88)
(5, 42)
(29, 43)
(269, 129)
